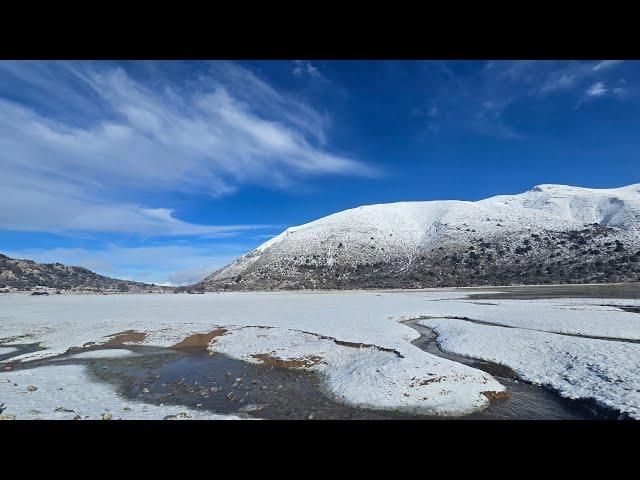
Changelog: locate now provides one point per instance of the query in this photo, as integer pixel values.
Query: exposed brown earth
(115, 341)
(199, 341)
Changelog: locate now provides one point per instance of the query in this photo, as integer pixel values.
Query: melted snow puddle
(525, 402)
(214, 383)
(224, 385)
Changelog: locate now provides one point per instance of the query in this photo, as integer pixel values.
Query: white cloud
(604, 64)
(481, 99)
(302, 67)
(542, 78)
(92, 146)
(597, 89)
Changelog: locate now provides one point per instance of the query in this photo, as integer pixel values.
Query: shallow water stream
(525, 401)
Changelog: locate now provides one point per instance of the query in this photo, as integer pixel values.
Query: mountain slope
(550, 234)
(26, 275)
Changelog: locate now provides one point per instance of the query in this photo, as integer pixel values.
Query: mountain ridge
(549, 234)
(22, 274)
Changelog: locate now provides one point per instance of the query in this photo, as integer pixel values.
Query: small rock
(34, 412)
(66, 410)
(145, 390)
(8, 368)
(77, 417)
(198, 404)
(126, 409)
(7, 416)
(32, 388)
(310, 417)
(180, 416)
(107, 416)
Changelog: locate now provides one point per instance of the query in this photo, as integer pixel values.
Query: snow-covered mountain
(550, 234)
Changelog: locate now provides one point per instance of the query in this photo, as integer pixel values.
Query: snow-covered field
(353, 339)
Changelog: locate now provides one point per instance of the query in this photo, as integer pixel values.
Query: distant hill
(26, 275)
(549, 234)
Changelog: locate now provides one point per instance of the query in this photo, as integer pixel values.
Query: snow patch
(107, 353)
(364, 376)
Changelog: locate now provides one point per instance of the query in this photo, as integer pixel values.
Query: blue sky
(163, 171)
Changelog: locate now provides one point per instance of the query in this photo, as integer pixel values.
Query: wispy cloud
(604, 64)
(303, 67)
(598, 89)
(87, 146)
(480, 98)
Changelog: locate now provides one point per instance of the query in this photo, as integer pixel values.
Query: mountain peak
(552, 233)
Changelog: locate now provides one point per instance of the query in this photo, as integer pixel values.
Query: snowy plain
(353, 339)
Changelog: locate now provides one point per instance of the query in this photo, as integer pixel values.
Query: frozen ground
(354, 340)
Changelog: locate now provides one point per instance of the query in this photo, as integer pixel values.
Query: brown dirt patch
(199, 341)
(130, 336)
(303, 362)
(116, 340)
